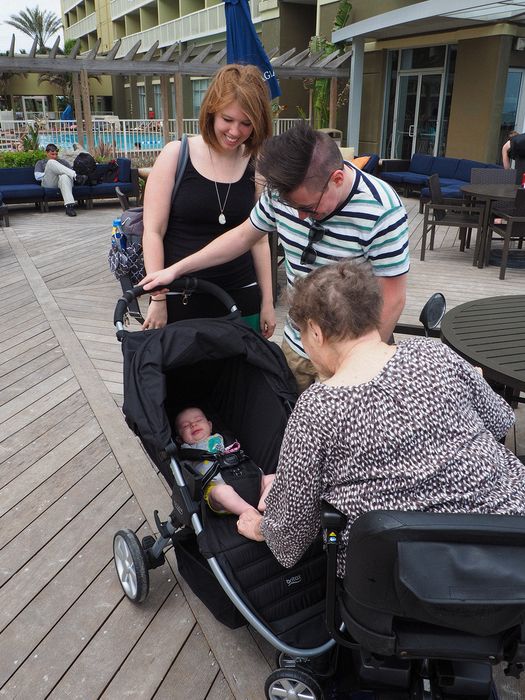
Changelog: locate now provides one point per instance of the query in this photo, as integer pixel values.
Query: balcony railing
(81, 28)
(119, 8)
(68, 6)
(126, 137)
(188, 28)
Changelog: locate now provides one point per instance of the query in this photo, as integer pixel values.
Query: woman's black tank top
(194, 222)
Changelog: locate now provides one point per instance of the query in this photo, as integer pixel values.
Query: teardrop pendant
(222, 219)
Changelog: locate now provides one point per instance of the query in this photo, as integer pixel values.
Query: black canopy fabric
(221, 365)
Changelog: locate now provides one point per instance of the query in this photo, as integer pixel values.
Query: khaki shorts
(302, 369)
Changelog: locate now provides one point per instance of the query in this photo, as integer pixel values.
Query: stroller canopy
(221, 365)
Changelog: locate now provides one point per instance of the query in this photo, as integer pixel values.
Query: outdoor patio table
(490, 333)
(487, 193)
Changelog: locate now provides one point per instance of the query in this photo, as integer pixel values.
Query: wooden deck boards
(72, 474)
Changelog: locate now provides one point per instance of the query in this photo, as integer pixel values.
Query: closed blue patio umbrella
(243, 45)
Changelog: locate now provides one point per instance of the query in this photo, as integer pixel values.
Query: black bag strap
(181, 165)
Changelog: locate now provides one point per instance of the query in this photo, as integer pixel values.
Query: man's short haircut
(299, 156)
(51, 147)
(343, 298)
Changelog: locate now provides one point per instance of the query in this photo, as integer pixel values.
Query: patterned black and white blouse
(422, 435)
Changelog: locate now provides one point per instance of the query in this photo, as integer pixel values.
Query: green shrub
(20, 159)
(30, 138)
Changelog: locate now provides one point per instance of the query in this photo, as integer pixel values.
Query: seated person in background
(52, 171)
(397, 427)
(194, 429)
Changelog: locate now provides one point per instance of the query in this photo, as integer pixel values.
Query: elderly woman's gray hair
(344, 299)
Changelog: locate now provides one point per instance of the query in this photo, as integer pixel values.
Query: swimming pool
(134, 141)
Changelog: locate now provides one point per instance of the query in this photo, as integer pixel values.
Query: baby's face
(192, 426)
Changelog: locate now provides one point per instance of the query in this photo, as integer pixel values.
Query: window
(513, 111)
(141, 93)
(199, 89)
(157, 102)
(424, 57)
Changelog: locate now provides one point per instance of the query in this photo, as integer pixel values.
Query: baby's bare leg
(266, 485)
(224, 497)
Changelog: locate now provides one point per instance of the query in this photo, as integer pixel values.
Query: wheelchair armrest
(331, 518)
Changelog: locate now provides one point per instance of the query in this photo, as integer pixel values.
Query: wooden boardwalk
(71, 474)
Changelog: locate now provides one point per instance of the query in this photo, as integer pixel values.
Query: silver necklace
(222, 205)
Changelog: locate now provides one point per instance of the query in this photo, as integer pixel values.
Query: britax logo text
(295, 579)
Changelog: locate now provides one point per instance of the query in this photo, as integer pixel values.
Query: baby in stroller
(195, 431)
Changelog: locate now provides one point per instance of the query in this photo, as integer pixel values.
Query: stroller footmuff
(289, 601)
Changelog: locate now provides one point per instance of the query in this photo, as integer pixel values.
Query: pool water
(123, 142)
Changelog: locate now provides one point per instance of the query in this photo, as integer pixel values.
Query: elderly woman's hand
(249, 525)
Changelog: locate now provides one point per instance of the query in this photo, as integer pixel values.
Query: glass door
(428, 114)
(34, 107)
(417, 119)
(404, 122)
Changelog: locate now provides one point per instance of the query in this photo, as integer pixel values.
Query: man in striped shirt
(323, 210)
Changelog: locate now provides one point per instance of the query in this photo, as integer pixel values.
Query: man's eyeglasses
(310, 211)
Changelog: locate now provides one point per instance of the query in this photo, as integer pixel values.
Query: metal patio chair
(512, 228)
(451, 213)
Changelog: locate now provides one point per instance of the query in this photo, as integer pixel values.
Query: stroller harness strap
(236, 469)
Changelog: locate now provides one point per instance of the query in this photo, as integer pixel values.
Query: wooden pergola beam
(151, 52)
(54, 50)
(131, 53)
(113, 51)
(75, 50)
(179, 104)
(86, 107)
(32, 52)
(167, 55)
(165, 103)
(93, 53)
(289, 65)
(77, 103)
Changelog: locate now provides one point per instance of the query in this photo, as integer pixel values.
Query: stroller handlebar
(184, 284)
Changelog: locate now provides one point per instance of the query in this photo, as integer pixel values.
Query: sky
(22, 41)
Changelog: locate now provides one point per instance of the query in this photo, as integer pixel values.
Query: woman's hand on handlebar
(157, 315)
(161, 278)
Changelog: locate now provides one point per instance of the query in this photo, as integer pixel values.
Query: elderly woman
(406, 427)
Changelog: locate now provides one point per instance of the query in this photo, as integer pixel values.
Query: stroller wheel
(131, 565)
(293, 684)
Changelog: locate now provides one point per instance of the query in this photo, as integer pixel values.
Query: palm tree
(38, 24)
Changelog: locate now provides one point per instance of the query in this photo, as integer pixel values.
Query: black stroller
(430, 602)
(244, 385)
